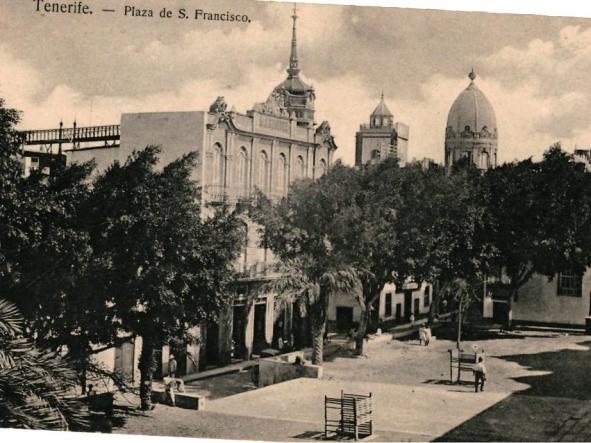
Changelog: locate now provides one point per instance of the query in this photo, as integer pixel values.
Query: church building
(267, 148)
(381, 138)
(471, 130)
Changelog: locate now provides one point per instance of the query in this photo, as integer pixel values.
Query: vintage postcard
(271, 221)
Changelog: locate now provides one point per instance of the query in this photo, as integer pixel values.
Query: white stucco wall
(346, 300)
(538, 301)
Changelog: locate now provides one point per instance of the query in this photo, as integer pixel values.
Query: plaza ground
(537, 390)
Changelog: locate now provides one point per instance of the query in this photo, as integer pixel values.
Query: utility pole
(459, 321)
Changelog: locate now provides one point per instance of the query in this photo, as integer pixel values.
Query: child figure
(479, 370)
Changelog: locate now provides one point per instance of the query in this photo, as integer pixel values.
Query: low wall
(274, 370)
(181, 400)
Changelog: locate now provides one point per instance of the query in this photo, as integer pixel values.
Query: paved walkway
(537, 390)
(428, 411)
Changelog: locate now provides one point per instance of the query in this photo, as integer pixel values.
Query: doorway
(344, 319)
(238, 328)
(212, 344)
(407, 304)
(260, 316)
(500, 312)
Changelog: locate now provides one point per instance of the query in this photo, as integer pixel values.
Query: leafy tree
(170, 263)
(538, 218)
(362, 231)
(46, 262)
(449, 213)
(406, 224)
(298, 230)
(36, 387)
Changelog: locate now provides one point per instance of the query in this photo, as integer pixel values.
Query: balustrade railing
(71, 136)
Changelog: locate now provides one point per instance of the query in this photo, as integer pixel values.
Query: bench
(462, 361)
(181, 399)
(348, 415)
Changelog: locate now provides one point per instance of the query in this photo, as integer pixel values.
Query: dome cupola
(471, 111)
(471, 129)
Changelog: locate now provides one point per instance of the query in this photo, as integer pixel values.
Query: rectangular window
(570, 284)
(388, 312)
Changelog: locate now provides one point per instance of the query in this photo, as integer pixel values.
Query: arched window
(322, 167)
(281, 175)
(300, 169)
(484, 160)
(375, 156)
(218, 165)
(263, 172)
(242, 173)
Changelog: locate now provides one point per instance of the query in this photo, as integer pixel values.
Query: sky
(93, 68)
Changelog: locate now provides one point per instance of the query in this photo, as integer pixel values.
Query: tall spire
(294, 70)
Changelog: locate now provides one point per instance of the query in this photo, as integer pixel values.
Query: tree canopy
(169, 264)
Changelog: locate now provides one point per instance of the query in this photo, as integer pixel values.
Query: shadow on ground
(449, 331)
(536, 413)
(114, 419)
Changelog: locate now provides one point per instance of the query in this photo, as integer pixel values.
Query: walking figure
(479, 374)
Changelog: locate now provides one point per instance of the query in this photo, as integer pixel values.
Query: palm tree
(313, 291)
(37, 388)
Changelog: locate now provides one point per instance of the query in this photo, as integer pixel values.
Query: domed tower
(382, 138)
(471, 130)
(381, 117)
(297, 96)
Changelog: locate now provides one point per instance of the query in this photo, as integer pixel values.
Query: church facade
(266, 148)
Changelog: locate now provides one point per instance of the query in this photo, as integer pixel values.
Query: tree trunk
(318, 325)
(371, 293)
(361, 331)
(79, 353)
(434, 306)
(318, 329)
(146, 366)
(509, 318)
(249, 303)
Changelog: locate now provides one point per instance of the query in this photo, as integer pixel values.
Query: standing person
(427, 335)
(172, 366)
(479, 370)
(423, 336)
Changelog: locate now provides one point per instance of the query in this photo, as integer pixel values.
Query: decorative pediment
(323, 128)
(274, 105)
(218, 106)
(324, 135)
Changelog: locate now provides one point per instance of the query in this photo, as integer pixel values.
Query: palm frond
(37, 388)
(10, 319)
